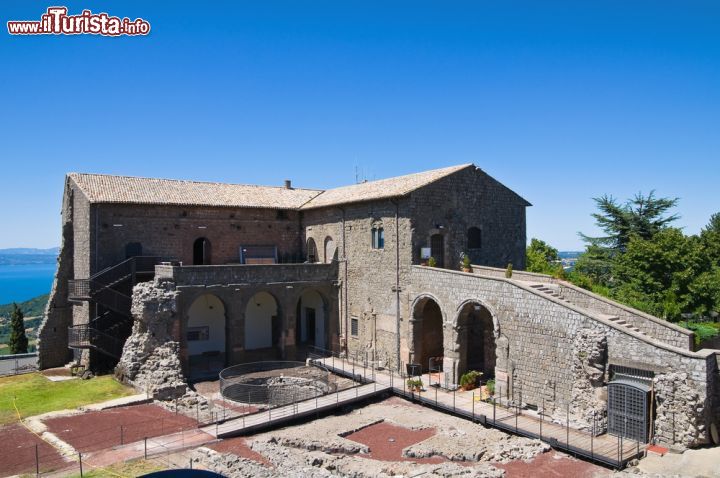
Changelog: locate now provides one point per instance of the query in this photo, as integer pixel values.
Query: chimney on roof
(288, 184)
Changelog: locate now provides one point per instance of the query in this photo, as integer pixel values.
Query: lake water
(25, 281)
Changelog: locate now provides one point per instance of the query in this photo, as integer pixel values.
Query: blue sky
(561, 101)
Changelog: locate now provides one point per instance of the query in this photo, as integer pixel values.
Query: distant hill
(34, 308)
(53, 251)
(31, 308)
(569, 254)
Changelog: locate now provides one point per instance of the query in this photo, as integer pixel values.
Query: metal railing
(86, 336)
(274, 384)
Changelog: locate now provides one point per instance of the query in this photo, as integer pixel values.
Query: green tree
(18, 342)
(642, 216)
(542, 258)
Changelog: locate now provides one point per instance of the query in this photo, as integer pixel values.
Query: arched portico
(426, 329)
(205, 336)
(312, 320)
(475, 332)
(262, 322)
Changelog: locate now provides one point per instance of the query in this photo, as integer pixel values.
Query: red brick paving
(550, 464)
(239, 447)
(387, 441)
(94, 431)
(18, 454)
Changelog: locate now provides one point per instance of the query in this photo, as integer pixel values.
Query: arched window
(474, 238)
(329, 250)
(201, 252)
(378, 237)
(311, 250)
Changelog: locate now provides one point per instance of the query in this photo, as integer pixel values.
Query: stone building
(205, 275)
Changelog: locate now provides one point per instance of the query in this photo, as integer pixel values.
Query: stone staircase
(554, 291)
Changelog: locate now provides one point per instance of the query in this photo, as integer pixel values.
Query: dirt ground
(18, 454)
(94, 431)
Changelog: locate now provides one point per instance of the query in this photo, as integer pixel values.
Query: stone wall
(368, 276)
(170, 232)
(53, 336)
(546, 351)
(151, 359)
(470, 198)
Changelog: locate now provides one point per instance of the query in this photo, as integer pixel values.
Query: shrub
(508, 271)
(414, 383)
(432, 262)
(491, 386)
(469, 379)
(465, 263)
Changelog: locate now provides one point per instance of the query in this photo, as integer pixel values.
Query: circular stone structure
(274, 383)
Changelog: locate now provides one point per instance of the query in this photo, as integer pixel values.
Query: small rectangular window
(354, 327)
(378, 238)
(195, 334)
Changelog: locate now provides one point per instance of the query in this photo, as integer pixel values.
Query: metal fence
(18, 363)
(274, 384)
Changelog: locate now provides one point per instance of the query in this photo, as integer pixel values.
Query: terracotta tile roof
(107, 189)
(381, 189)
(100, 188)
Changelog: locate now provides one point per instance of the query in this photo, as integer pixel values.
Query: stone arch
(312, 319)
(427, 331)
(205, 335)
(262, 321)
(476, 329)
(330, 250)
(312, 254)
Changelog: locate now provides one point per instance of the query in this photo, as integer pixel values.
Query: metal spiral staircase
(110, 291)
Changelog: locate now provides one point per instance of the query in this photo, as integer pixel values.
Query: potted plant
(469, 379)
(508, 271)
(415, 384)
(432, 262)
(487, 390)
(465, 263)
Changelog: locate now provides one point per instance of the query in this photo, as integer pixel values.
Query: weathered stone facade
(363, 291)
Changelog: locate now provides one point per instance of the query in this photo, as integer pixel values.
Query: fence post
(436, 402)
(197, 413)
(191, 463)
(80, 458)
(145, 440)
(454, 399)
(122, 442)
(37, 461)
(494, 402)
(542, 417)
(567, 427)
(622, 450)
(473, 406)
(592, 440)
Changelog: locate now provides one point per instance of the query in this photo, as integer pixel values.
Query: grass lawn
(130, 468)
(36, 394)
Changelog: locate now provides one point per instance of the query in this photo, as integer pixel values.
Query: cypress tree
(18, 342)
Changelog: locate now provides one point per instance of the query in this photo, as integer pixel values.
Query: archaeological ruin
(168, 281)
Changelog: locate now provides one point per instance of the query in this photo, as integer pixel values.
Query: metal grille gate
(628, 412)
